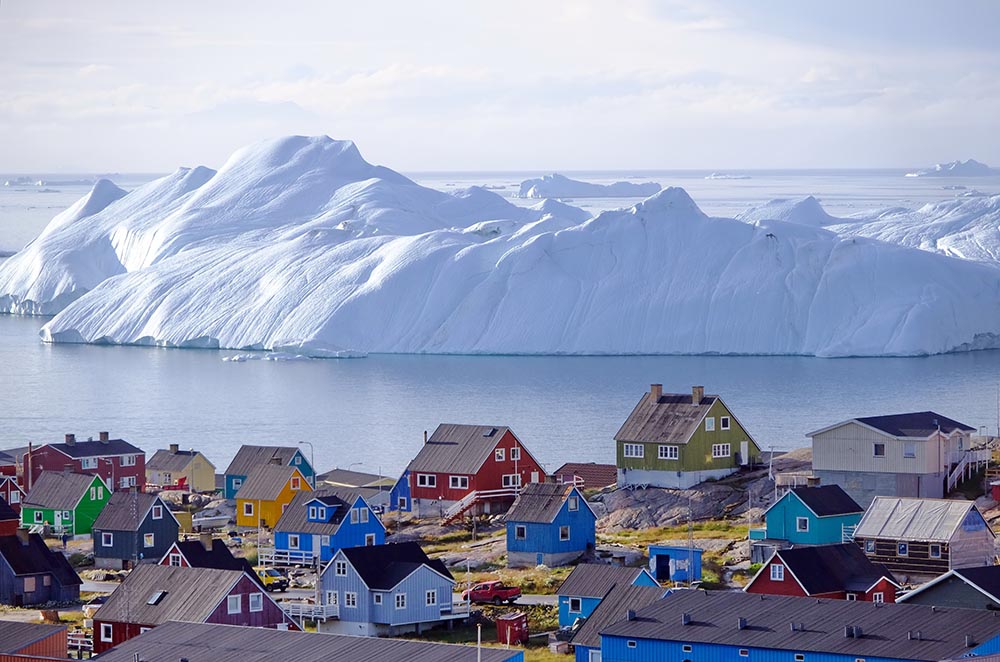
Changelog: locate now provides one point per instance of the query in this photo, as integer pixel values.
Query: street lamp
(312, 461)
(355, 464)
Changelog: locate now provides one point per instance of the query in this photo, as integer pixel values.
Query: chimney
(103, 437)
(425, 436)
(206, 540)
(175, 448)
(655, 392)
(685, 618)
(23, 537)
(629, 615)
(969, 641)
(697, 394)
(70, 439)
(67, 468)
(741, 623)
(275, 460)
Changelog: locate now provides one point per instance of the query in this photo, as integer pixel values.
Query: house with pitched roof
(31, 573)
(133, 527)
(176, 467)
(266, 493)
(387, 590)
(33, 641)
(65, 502)
(918, 454)
(463, 468)
(152, 595)
(961, 588)
(840, 572)
(316, 524)
(821, 515)
(588, 583)
(205, 552)
(615, 604)
(678, 440)
(549, 524)
(250, 457)
(925, 537)
(587, 475)
(8, 465)
(121, 465)
(12, 492)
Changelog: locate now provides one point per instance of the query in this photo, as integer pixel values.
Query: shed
(675, 564)
(588, 583)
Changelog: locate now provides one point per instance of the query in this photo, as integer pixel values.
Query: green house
(678, 440)
(66, 502)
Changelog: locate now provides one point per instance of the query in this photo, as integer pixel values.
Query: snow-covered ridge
(560, 186)
(970, 168)
(300, 246)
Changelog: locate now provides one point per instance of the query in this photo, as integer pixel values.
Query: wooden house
(678, 440)
(918, 454)
(806, 516)
(249, 458)
(12, 492)
(31, 641)
(205, 552)
(549, 524)
(961, 588)
(65, 502)
(31, 573)
(8, 465)
(316, 524)
(133, 527)
(611, 608)
(152, 595)
(588, 583)
(121, 465)
(839, 572)
(266, 493)
(587, 475)
(925, 537)
(462, 468)
(174, 467)
(387, 590)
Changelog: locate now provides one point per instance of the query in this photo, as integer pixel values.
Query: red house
(470, 467)
(119, 463)
(155, 594)
(11, 492)
(8, 465)
(840, 572)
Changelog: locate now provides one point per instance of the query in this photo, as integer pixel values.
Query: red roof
(595, 476)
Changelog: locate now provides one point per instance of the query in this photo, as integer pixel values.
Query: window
(709, 423)
(909, 449)
(799, 657)
(256, 602)
(687, 648)
(401, 503)
(107, 539)
(67, 515)
(426, 480)
(401, 601)
(248, 509)
(852, 597)
(512, 480)
(459, 482)
(47, 580)
(720, 450)
(369, 540)
(724, 423)
(575, 605)
(234, 604)
(869, 546)
(377, 598)
(515, 454)
(88, 463)
(126, 481)
(520, 532)
(802, 524)
(878, 450)
(157, 512)
(340, 568)
(573, 503)
(296, 483)
(107, 632)
(331, 598)
(175, 560)
(38, 517)
(744, 652)
(935, 551)
(149, 540)
(93, 494)
(499, 454)
(321, 513)
(430, 597)
(902, 549)
(29, 584)
(15, 496)
(127, 461)
(313, 513)
(878, 598)
(630, 643)
(364, 515)
(632, 450)
(668, 453)
(237, 483)
(324, 541)
(354, 515)
(298, 460)
(350, 599)
(100, 492)
(293, 541)
(777, 573)
(563, 533)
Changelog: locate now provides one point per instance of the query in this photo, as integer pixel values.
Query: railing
(968, 458)
(474, 497)
(455, 610)
(758, 534)
(311, 611)
(271, 556)
(847, 532)
(81, 642)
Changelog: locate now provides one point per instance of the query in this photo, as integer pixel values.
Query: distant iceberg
(559, 186)
(801, 211)
(968, 168)
(722, 175)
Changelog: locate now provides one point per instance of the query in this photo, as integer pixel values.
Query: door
(57, 520)
(744, 453)
(594, 655)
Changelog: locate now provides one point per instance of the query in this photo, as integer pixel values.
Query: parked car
(272, 579)
(493, 592)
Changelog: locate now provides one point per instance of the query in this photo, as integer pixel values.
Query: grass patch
(540, 581)
(733, 529)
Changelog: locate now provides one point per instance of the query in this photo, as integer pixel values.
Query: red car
(493, 591)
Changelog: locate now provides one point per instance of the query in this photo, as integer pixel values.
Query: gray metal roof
(125, 511)
(295, 518)
(199, 642)
(248, 457)
(714, 614)
(266, 481)
(897, 518)
(15, 635)
(58, 490)
(190, 594)
(612, 609)
(166, 460)
(672, 418)
(594, 580)
(458, 449)
(347, 478)
(540, 502)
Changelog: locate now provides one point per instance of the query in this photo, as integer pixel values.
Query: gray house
(133, 527)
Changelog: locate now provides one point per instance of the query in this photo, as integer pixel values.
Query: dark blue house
(249, 458)
(31, 573)
(587, 585)
(549, 524)
(316, 524)
(399, 496)
(133, 527)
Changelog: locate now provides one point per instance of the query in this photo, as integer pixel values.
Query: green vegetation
(737, 530)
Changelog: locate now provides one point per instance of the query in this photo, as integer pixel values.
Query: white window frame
(710, 424)
(324, 540)
(236, 600)
(67, 516)
(511, 480)
(573, 503)
(174, 560)
(875, 449)
(296, 483)
(237, 484)
(687, 648)
(363, 512)
(563, 533)
(902, 549)
(520, 532)
(931, 548)
(630, 643)
(340, 568)
(39, 517)
(293, 541)
(157, 511)
(321, 513)
(633, 450)
(107, 539)
(777, 572)
(802, 524)
(575, 605)
(725, 423)
(93, 494)
(88, 463)
(499, 454)
(430, 597)
(400, 599)
(852, 597)
(426, 480)
(256, 602)
(800, 657)
(15, 496)
(126, 461)
(744, 652)
(107, 632)
(878, 597)
(869, 547)
(350, 599)
(377, 598)
(313, 512)
(401, 503)
(248, 509)
(458, 482)
(668, 452)
(721, 451)
(515, 454)
(354, 516)
(369, 540)
(148, 540)
(909, 450)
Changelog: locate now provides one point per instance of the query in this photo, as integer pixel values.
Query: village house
(176, 468)
(65, 503)
(32, 641)
(12, 492)
(587, 475)
(8, 465)
(249, 458)
(675, 563)
(316, 524)
(133, 527)
(806, 516)
(205, 552)
(678, 440)
(387, 590)
(549, 524)
(374, 488)
(839, 572)
(31, 573)
(266, 493)
(588, 583)
(466, 467)
(736, 626)
(919, 454)
(961, 588)
(152, 595)
(121, 465)
(925, 537)
(612, 607)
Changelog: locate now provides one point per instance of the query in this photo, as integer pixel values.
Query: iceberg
(804, 211)
(559, 186)
(723, 175)
(970, 168)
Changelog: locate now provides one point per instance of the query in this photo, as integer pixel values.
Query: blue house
(386, 590)
(318, 523)
(587, 585)
(249, 458)
(612, 608)
(675, 564)
(549, 524)
(399, 496)
(823, 515)
(733, 626)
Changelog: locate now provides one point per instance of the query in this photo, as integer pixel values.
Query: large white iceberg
(299, 242)
(970, 168)
(560, 186)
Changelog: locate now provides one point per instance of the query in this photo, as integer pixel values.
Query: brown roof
(166, 460)
(593, 475)
(458, 449)
(265, 482)
(540, 502)
(126, 511)
(248, 457)
(672, 418)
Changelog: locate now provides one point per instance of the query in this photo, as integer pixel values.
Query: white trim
(767, 564)
(938, 580)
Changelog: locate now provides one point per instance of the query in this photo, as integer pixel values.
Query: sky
(452, 86)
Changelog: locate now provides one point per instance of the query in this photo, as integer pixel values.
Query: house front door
(57, 519)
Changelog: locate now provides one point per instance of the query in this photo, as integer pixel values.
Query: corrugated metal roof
(884, 627)
(125, 511)
(593, 475)
(265, 482)
(458, 449)
(613, 608)
(248, 457)
(166, 460)
(15, 635)
(539, 503)
(897, 518)
(672, 418)
(295, 519)
(594, 580)
(229, 643)
(58, 490)
(189, 594)
(347, 478)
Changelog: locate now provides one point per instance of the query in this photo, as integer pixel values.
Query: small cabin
(961, 588)
(675, 563)
(588, 583)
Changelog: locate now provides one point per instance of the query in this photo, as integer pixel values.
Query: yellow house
(266, 493)
(177, 467)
